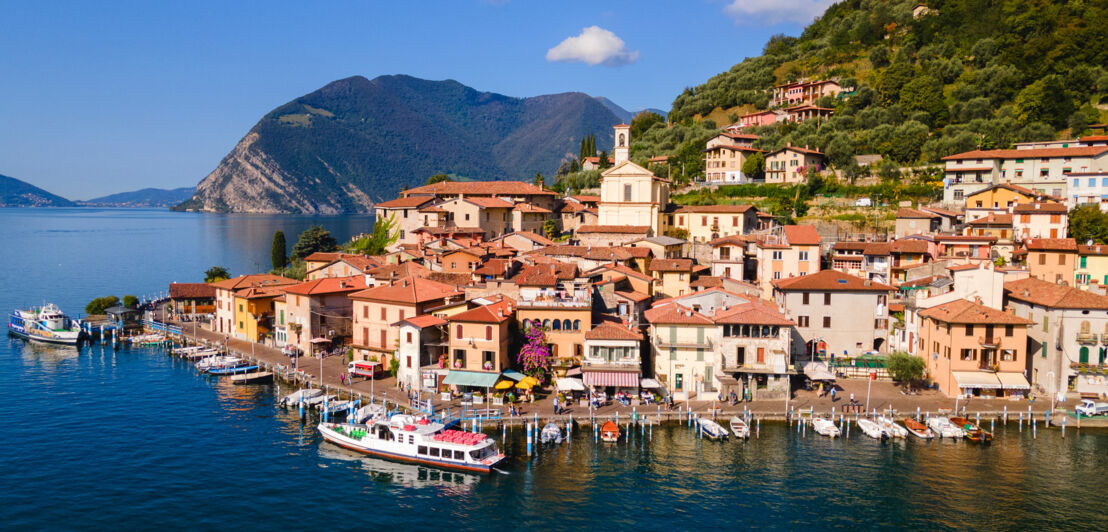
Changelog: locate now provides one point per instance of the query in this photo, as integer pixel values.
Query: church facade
(631, 195)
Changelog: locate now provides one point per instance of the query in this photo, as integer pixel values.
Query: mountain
(147, 197)
(624, 114)
(928, 80)
(357, 141)
(16, 193)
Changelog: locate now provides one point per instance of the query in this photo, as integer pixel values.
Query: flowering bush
(535, 355)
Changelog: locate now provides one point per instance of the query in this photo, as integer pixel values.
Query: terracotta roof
(671, 265)
(964, 238)
(586, 198)
(257, 292)
(907, 213)
(405, 203)
(849, 246)
(529, 207)
(676, 314)
(611, 331)
(738, 240)
(877, 248)
(323, 256)
(594, 253)
(620, 229)
(963, 311)
(633, 295)
(423, 321)
(433, 208)
(746, 136)
(408, 290)
(1016, 188)
(450, 230)
(802, 235)
(493, 313)
(732, 209)
(494, 267)
(621, 269)
(1040, 208)
(489, 202)
(1035, 153)
(480, 188)
(257, 279)
(571, 206)
(797, 149)
(993, 219)
(908, 246)
(965, 267)
(1095, 249)
(737, 147)
(1053, 295)
(328, 285)
(396, 271)
(191, 291)
(752, 313)
(545, 274)
(1094, 138)
(452, 279)
(831, 280)
(1051, 244)
(941, 212)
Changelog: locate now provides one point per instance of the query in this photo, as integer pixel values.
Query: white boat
(338, 407)
(711, 429)
(918, 429)
(873, 430)
(825, 427)
(367, 414)
(47, 324)
(216, 362)
(408, 438)
(945, 429)
(200, 355)
(319, 400)
(739, 427)
(304, 394)
(894, 429)
(551, 433)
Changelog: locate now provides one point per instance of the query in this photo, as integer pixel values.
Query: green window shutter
(673, 353)
(699, 354)
(708, 374)
(1084, 353)
(673, 334)
(1044, 349)
(700, 335)
(1046, 323)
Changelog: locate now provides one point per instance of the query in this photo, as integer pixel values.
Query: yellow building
(1092, 266)
(705, 223)
(1003, 196)
(631, 195)
(672, 276)
(254, 312)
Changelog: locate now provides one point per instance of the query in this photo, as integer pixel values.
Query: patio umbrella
(526, 384)
(504, 385)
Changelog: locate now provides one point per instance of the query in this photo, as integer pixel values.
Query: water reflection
(402, 474)
(46, 356)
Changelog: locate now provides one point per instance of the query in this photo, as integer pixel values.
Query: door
(741, 356)
(761, 355)
(1084, 355)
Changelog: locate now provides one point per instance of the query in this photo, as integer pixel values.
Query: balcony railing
(618, 365)
(693, 344)
(557, 302)
(989, 341)
(1087, 338)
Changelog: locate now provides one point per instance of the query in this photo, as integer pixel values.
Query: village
(985, 289)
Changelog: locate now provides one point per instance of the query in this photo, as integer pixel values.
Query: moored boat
(367, 414)
(943, 428)
(892, 427)
(825, 427)
(46, 324)
(972, 431)
(739, 427)
(609, 432)
(233, 370)
(712, 430)
(872, 429)
(551, 433)
(918, 429)
(303, 394)
(407, 438)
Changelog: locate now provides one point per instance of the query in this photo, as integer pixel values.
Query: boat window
(435, 451)
(459, 455)
(411, 439)
(422, 449)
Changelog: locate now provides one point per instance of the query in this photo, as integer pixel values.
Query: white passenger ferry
(46, 324)
(412, 439)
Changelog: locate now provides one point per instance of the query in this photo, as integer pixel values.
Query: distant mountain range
(147, 197)
(623, 114)
(16, 193)
(357, 141)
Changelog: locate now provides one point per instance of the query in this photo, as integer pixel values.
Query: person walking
(832, 394)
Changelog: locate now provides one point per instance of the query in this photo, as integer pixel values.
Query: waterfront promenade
(882, 394)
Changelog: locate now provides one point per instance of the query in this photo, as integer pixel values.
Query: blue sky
(107, 97)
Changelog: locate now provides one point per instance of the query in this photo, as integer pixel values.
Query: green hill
(147, 197)
(357, 141)
(967, 74)
(16, 193)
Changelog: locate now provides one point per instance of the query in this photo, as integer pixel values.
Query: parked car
(863, 202)
(1090, 408)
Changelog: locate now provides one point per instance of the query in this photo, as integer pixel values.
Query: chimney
(977, 299)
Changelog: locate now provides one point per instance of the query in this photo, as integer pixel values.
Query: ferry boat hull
(46, 325)
(403, 447)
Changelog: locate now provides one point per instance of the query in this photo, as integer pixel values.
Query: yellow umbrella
(504, 385)
(526, 384)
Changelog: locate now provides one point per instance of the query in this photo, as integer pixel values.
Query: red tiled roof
(1047, 294)
(830, 280)
(941, 212)
(676, 314)
(493, 313)
(480, 188)
(738, 240)
(671, 265)
(532, 236)
(621, 269)
(488, 202)
(1051, 244)
(908, 213)
(405, 203)
(1034, 153)
(529, 207)
(615, 229)
(257, 279)
(191, 291)
(963, 311)
(611, 331)
(423, 321)
(1095, 249)
(633, 295)
(732, 209)
(397, 271)
(408, 290)
(586, 198)
(993, 219)
(752, 313)
(1040, 208)
(328, 285)
(849, 246)
(908, 246)
(802, 235)
(965, 238)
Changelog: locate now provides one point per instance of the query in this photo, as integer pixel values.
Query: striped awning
(977, 379)
(1013, 381)
(619, 379)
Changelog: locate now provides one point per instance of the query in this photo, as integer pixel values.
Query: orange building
(974, 349)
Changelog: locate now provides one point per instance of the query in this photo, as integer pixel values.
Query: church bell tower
(622, 150)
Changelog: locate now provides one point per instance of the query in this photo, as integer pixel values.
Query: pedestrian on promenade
(832, 394)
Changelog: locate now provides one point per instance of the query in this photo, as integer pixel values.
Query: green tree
(278, 252)
(550, 228)
(312, 240)
(644, 121)
(755, 166)
(538, 179)
(130, 301)
(879, 57)
(892, 80)
(905, 368)
(438, 178)
(604, 161)
(384, 234)
(1088, 222)
(216, 274)
(925, 94)
(100, 304)
(1045, 100)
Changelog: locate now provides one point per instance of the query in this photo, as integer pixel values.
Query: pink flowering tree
(535, 355)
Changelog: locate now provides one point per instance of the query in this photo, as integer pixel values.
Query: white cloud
(594, 46)
(776, 11)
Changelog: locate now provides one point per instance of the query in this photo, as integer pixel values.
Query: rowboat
(873, 430)
(918, 429)
(712, 430)
(234, 370)
(890, 426)
(973, 432)
(825, 427)
(944, 428)
(739, 427)
(609, 432)
(252, 378)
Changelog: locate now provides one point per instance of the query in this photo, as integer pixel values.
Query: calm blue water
(136, 440)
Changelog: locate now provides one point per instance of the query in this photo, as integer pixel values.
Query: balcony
(599, 364)
(1087, 338)
(990, 342)
(678, 344)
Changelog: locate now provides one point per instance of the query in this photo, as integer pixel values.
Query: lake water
(134, 439)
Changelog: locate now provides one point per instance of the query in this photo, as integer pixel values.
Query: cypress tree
(278, 253)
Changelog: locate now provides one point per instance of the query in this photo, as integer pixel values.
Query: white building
(1045, 170)
(1088, 188)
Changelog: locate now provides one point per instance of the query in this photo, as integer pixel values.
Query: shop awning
(573, 371)
(1013, 381)
(651, 384)
(570, 385)
(619, 379)
(514, 375)
(477, 379)
(977, 379)
(818, 371)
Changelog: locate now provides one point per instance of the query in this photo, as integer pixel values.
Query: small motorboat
(368, 414)
(245, 367)
(339, 407)
(739, 427)
(551, 433)
(944, 428)
(872, 429)
(973, 432)
(711, 429)
(304, 394)
(918, 429)
(609, 432)
(894, 429)
(825, 427)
